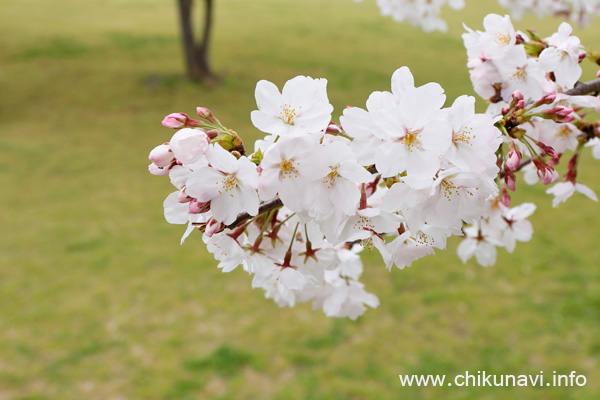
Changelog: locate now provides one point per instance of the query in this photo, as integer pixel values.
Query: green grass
(99, 301)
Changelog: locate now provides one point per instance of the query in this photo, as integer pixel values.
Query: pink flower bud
(158, 171)
(547, 99)
(517, 95)
(598, 74)
(161, 155)
(548, 150)
(509, 179)
(505, 110)
(196, 207)
(212, 227)
(547, 175)
(562, 111)
(520, 104)
(206, 114)
(183, 196)
(513, 160)
(175, 120)
(505, 198)
(582, 57)
(213, 133)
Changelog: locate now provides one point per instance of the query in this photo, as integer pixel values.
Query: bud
(161, 155)
(197, 207)
(505, 199)
(213, 133)
(183, 196)
(548, 150)
(582, 57)
(175, 120)
(206, 114)
(546, 173)
(158, 171)
(598, 74)
(509, 179)
(513, 159)
(517, 95)
(212, 227)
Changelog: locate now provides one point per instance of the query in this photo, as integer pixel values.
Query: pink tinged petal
(345, 196)
(250, 200)
(486, 254)
(222, 160)
(380, 100)
(268, 123)
(402, 81)
(315, 121)
(354, 172)
(247, 173)
(581, 188)
(268, 98)
(550, 58)
(189, 145)
(205, 184)
(466, 249)
(268, 184)
(175, 212)
(227, 206)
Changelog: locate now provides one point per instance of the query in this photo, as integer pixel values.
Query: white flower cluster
(579, 11)
(401, 176)
(527, 80)
(426, 14)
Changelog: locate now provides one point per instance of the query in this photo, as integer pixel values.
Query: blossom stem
(264, 208)
(584, 88)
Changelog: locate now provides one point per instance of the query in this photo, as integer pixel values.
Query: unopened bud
(517, 95)
(548, 150)
(582, 57)
(547, 175)
(175, 120)
(505, 110)
(505, 198)
(213, 133)
(509, 179)
(197, 207)
(206, 114)
(161, 155)
(158, 171)
(212, 227)
(183, 196)
(513, 160)
(520, 104)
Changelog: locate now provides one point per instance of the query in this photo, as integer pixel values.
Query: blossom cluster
(426, 14)
(400, 176)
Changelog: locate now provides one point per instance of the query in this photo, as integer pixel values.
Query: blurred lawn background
(99, 301)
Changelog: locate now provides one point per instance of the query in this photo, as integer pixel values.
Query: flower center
(564, 132)
(287, 168)
(465, 135)
(228, 183)
(411, 139)
(501, 38)
(329, 180)
(520, 75)
(287, 113)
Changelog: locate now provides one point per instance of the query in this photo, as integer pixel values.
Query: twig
(584, 88)
(264, 208)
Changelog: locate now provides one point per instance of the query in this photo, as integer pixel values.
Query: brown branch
(264, 208)
(584, 88)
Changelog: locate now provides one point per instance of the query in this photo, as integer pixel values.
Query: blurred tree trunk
(196, 54)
